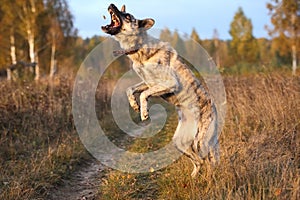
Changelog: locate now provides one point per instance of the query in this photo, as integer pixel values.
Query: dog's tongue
(115, 21)
(116, 24)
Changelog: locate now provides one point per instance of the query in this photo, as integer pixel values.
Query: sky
(180, 15)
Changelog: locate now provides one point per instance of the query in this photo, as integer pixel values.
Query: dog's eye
(128, 17)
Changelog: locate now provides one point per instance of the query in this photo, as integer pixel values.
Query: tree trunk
(12, 54)
(216, 44)
(53, 60)
(294, 56)
(294, 43)
(8, 71)
(32, 54)
(13, 49)
(37, 68)
(30, 22)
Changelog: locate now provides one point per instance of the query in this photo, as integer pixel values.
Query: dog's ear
(146, 23)
(123, 9)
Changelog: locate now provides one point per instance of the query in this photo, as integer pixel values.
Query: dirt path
(82, 184)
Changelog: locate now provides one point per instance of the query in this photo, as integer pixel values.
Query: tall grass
(260, 145)
(38, 142)
(260, 150)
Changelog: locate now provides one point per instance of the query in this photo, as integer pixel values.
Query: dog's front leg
(138, 88)
(157, 90)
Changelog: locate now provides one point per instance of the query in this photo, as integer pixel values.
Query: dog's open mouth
(115, 21)
(114, 27)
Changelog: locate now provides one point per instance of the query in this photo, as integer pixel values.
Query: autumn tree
(8, 29)
(192, 44)
(36, 31)
(285, 18)
(214, 47)
(178, 43)
(166, 35)
(265, 52)
(28, 12)
(195, 37)
(60, 28)
(243, 45)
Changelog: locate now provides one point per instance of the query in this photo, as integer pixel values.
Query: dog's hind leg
(196, 161)
(185, 135)
(214, 154)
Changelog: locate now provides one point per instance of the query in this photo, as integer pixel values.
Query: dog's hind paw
(195, 171)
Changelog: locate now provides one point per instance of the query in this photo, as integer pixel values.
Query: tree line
(40, 34)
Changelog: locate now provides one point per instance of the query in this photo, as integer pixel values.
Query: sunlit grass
(38, 142)
(259, 150)
(259, 145)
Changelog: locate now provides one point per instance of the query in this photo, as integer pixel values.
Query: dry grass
(260, 147)
(38, 143)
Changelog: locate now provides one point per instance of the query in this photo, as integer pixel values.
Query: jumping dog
(165, 74)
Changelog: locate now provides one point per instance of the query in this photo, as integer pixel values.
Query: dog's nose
(113, 6)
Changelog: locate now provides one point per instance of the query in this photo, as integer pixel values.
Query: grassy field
(38, 142)
(260, 150)
(260, 145)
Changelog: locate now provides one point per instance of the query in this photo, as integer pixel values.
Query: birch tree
(9, 26)
(28, 11)
(61, 27)
(216, 44)
(285, 18)
(193, 44)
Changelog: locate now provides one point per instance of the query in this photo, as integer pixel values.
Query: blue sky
(181, 15)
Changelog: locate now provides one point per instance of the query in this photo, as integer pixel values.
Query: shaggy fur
(165, 74)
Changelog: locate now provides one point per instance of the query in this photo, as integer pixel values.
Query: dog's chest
(154, 74)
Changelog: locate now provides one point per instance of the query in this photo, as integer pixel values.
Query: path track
(83, 184)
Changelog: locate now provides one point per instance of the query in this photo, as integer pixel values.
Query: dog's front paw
(144, 116)
(134, 104)
(144, 110)
(135, 107)
(132, 101)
